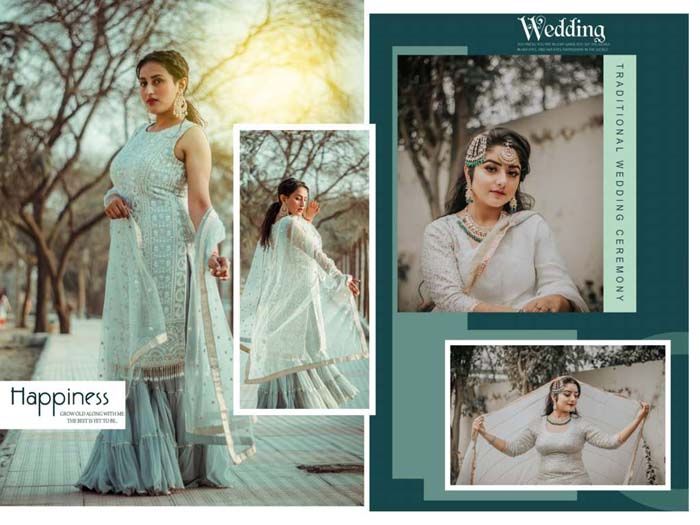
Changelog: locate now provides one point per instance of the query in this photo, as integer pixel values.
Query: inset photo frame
(515, 182)
(557, 415)
(303, 280)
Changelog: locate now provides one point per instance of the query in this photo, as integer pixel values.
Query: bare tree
(334, 164)
(63, 62)
(67, 70)
(309, 36)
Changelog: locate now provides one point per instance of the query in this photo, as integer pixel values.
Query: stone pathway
(39, 467)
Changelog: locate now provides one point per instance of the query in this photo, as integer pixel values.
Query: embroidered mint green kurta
(152, 180)
(163, 317)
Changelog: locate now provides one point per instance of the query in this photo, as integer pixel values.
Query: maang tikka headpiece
(507, 153)
(476, 151)
(558, 385)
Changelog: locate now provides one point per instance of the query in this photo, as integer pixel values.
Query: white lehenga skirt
(324, 387)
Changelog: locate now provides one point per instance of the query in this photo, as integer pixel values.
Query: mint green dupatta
(133, 323)
(209, 355)
(132, 318)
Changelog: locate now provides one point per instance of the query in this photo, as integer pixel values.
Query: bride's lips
(501, 193)
(151, 101)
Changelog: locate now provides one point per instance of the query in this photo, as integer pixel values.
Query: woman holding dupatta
(164, 329)
(298, 313)
(490, 253)
(580, 435)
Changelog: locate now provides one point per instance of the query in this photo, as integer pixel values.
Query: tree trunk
(458, 143)
(60, 305)
(42, 289)
(82, 284)
(454, 436)
(27, 300)
(436, 206)
(17, 266)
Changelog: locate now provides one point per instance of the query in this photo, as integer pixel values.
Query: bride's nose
(501, 178)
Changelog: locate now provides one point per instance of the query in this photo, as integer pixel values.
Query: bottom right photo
(557, 414)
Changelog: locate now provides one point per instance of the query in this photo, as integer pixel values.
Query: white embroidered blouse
(525, 264)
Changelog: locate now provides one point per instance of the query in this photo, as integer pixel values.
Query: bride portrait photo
(499, 183)
(584, 415)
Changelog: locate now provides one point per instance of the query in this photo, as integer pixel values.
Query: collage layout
(245, 249)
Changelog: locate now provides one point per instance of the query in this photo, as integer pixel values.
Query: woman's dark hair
(286, 187)
(177, 66)
(456, 201)
(564, 380)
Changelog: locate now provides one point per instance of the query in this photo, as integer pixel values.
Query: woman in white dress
(298, 313)
(164, 329)
(490, 253)
(559, 437)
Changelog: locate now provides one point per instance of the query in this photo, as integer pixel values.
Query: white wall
(566, 180)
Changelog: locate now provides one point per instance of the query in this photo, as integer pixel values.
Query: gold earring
(513, 204)
(469, 194)
(180, 106)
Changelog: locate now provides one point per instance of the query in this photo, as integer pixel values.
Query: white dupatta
(133, 323)
(209, 356)
(487, 248)
(297, 312)
(626, 465)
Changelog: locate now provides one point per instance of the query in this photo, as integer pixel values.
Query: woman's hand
(117, 209)
(548, 303)
(311, 210)
(643, 410)
(626, 432)
(478, 426)
(354, 286)
(219, 266)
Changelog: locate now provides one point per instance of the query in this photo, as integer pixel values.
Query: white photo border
(560, 342)
(371, 410)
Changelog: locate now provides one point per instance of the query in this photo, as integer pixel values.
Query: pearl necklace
(474, 230)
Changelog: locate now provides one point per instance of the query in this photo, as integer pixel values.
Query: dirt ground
(16, 362)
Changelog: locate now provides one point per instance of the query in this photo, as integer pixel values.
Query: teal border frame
(662, 304)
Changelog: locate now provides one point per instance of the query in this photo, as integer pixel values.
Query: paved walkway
(39, 467)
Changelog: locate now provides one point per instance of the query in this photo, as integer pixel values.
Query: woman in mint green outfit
(164, 328)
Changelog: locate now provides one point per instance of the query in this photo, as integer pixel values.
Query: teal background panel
(660, 43)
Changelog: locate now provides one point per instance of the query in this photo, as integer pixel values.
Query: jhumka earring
(180, 106)
(283, 210)
(476, 151)
(513, 204)
(468, 194)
